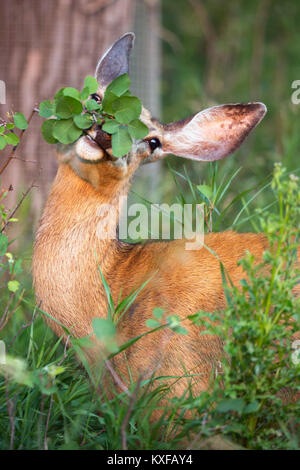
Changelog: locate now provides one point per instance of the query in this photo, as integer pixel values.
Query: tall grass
(49, 400)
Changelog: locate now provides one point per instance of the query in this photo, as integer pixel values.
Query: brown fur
(67, 280)
(67, 250)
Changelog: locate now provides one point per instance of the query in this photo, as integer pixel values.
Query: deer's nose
(102, 138)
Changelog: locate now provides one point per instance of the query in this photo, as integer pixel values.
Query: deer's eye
(154, 144)
(96, 97)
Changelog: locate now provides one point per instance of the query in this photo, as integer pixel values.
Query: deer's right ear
(213, 133)
(115, 61)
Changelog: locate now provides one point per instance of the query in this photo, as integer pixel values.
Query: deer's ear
(115, 61)
(213, 133)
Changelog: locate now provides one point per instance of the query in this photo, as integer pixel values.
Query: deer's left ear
(213, 133)
(115, 61)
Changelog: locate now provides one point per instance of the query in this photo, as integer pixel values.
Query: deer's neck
(76, 215)
(68, 251)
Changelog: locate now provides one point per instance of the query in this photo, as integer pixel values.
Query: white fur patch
(88, 150)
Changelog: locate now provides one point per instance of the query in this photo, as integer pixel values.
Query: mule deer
(67, 251)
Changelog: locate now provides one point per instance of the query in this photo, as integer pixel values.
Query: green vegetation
(48, 400)
(72, 112)
(7, 136)
(216, 52)
(229, 52)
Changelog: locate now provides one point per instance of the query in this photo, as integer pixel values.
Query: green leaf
(3, 244)
(12, 139)
(84, 342)
(174, 321)
(66, 106)
(18, 266)
(59, 93)
(111, 308)
(65, 131)
(151, 323)
(20, 121)
(105, 331)
(55, 370)
(10, 126)
(2, 129)
(137, 129)
(18, 371)
(83, 121)
(158, 312)
(13, 286)
(253, 407)
(85, 93)
(205, 190)
(121, 142)
(69, 91)
(47, 131)
(92, 105)
(107, 102)
(2, 142)
(110, 126)
(231, 404)
(91, 83)
(119, 85)
(181, 330)
(46, 109)
(127, 108)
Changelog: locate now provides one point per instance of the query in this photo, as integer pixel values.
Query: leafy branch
(8, 137)
(72, 113)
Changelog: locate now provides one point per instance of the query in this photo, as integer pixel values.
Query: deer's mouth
(95, 147)
(103, 139)
(97, 138)
(98, 142)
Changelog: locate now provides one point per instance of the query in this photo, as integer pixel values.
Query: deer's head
(209, 135)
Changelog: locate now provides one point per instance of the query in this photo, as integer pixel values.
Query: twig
(13, 311)
(47, 423)
(11, 155)
(116, 378)
(23, 328)
(2, 319)
(129, 411)
(18, 206)
(203, 424)
(170, 38)
(198, 435)
(65, 351)
(51, 398)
